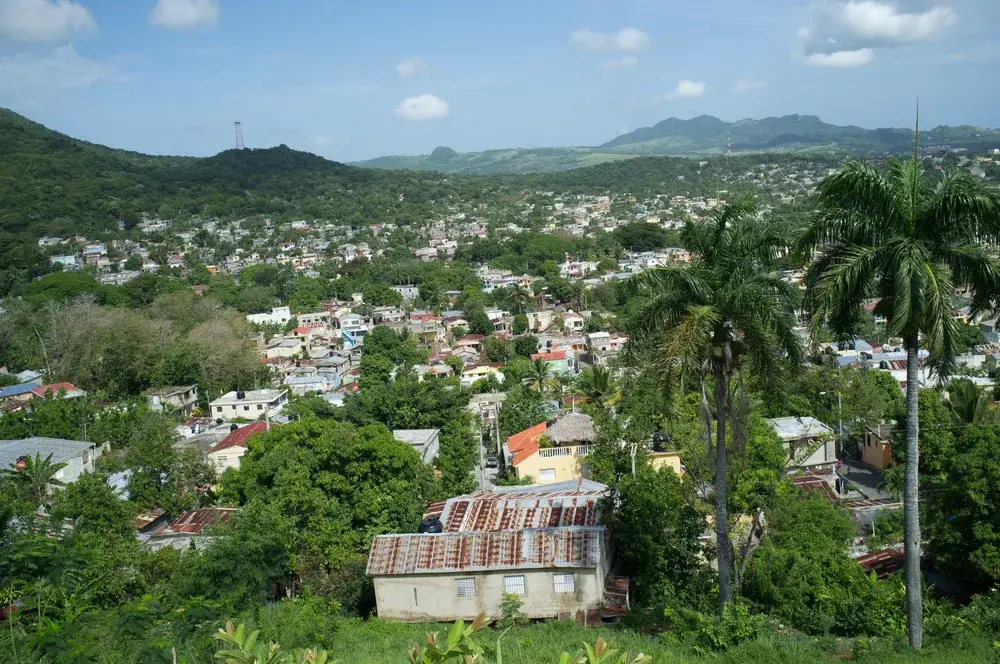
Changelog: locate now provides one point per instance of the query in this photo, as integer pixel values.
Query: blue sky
(353, 80)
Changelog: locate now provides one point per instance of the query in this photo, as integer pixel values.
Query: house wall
(671, 460)
(227, 458)
(876, 453)
(432, 597)
(825, 454)
(250, 410)
(78, 464)
(569, 467)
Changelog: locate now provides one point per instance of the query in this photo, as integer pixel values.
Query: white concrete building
(278, 316)
(248, 405)
(78, 455)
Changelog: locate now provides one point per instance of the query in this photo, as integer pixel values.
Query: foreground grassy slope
(364, 642)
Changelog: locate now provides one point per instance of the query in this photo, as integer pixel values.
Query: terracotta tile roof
(553, 356)
(480, 551)
(525, 443)
(239, 437)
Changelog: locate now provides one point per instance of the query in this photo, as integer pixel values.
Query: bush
(711, 633)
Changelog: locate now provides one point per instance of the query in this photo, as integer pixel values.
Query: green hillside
(703, 135)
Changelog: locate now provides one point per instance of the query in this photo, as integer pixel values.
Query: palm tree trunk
(911, 501)
(722, 547)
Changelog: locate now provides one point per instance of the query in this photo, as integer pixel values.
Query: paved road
(866, 478)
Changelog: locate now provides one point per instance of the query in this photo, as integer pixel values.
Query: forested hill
(703, 135)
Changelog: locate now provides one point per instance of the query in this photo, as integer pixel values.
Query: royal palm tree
(599, 385)
(726, 311)
(540, 374)
(908, 240)
(33, 477)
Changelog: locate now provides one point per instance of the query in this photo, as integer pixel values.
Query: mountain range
(702, 135)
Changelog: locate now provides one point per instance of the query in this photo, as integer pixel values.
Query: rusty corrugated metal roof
(193, 522)
(578, 547)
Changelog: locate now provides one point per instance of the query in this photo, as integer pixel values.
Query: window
(547, 474)
(260, 406)
(465, 587)
(218, 409)
(246, 407)
(513, 585)
(564, 583)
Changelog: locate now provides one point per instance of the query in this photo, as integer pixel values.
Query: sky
(353, 80)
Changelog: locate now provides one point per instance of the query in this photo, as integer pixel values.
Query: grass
(364, 642)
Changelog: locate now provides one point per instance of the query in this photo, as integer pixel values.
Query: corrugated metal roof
(492, 551)
(193, 522)
(60, 449)
(491, 513)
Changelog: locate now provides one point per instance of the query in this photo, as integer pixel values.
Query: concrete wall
(432, 597)
(874, 452)
(230, 457)
(671, 460)
(569, 467)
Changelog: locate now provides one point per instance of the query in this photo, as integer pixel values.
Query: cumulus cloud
(411, 67)
(846, 34)
(626, 39)
(43, 20)
(841, 59)
(33, 73)
(687, 90)
(746, 85)
(184, 14)
(623, 63)
(422, 107)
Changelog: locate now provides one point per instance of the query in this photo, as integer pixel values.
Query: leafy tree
(95, 507)
(303, 301)
(599, 386)
(520, 324)
(727, 311)
(521, 410)
(908, 241)
(641, 236)
(374, 370)
(656, 529)
(526, 345)
(133, 262)
(479, 322)
(968, 402)
(496, 349)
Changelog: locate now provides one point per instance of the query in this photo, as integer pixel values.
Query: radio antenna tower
(239, 135)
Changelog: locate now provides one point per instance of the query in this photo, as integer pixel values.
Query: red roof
(883, 563)
(815, 484)
(525, 443)
(553, 356)
(490, 512)
(239, 437)
(44, 390)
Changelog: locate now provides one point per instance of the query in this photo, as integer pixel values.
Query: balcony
(573, 451)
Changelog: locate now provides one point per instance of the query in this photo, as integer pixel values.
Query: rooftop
(60, 449)
(249, 395)
(794, 428)
(572, 428)
(169, 391)
(239, 437)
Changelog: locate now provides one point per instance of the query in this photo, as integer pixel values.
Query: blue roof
(15, 390)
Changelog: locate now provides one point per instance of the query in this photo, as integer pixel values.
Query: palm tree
(968, 402)
(517, 297)
(34, 476)
(726, 311)
(908, 240)
(599, 385)
(540, 374)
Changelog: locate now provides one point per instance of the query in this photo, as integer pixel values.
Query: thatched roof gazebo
(575, 428)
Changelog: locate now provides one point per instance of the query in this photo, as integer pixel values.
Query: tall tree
(726, 311)
(540, 374)
(908, 240)
(34, 476)
(599, 385)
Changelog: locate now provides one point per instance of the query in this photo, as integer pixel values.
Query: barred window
(564, 583)
(514, 585)
(465, 587)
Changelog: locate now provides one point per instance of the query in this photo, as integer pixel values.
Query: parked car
(492, 461)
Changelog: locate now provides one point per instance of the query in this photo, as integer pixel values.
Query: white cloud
(626, 39)
(846, 34)
(687, 90)
(746, 85)
(184, 14)
(624, 63)
(27, 74)
(422, 107)
(43, 20)
(411, 67)
(841, 59)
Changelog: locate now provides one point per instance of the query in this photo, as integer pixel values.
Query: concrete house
(542, 543)
(178, 398)
(876, 447)
(79, 456)
(571, 437)
(810, 443)
(229, 451)
(424, 441)
(249, 405)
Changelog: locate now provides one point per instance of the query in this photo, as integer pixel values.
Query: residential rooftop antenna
(239, 135)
